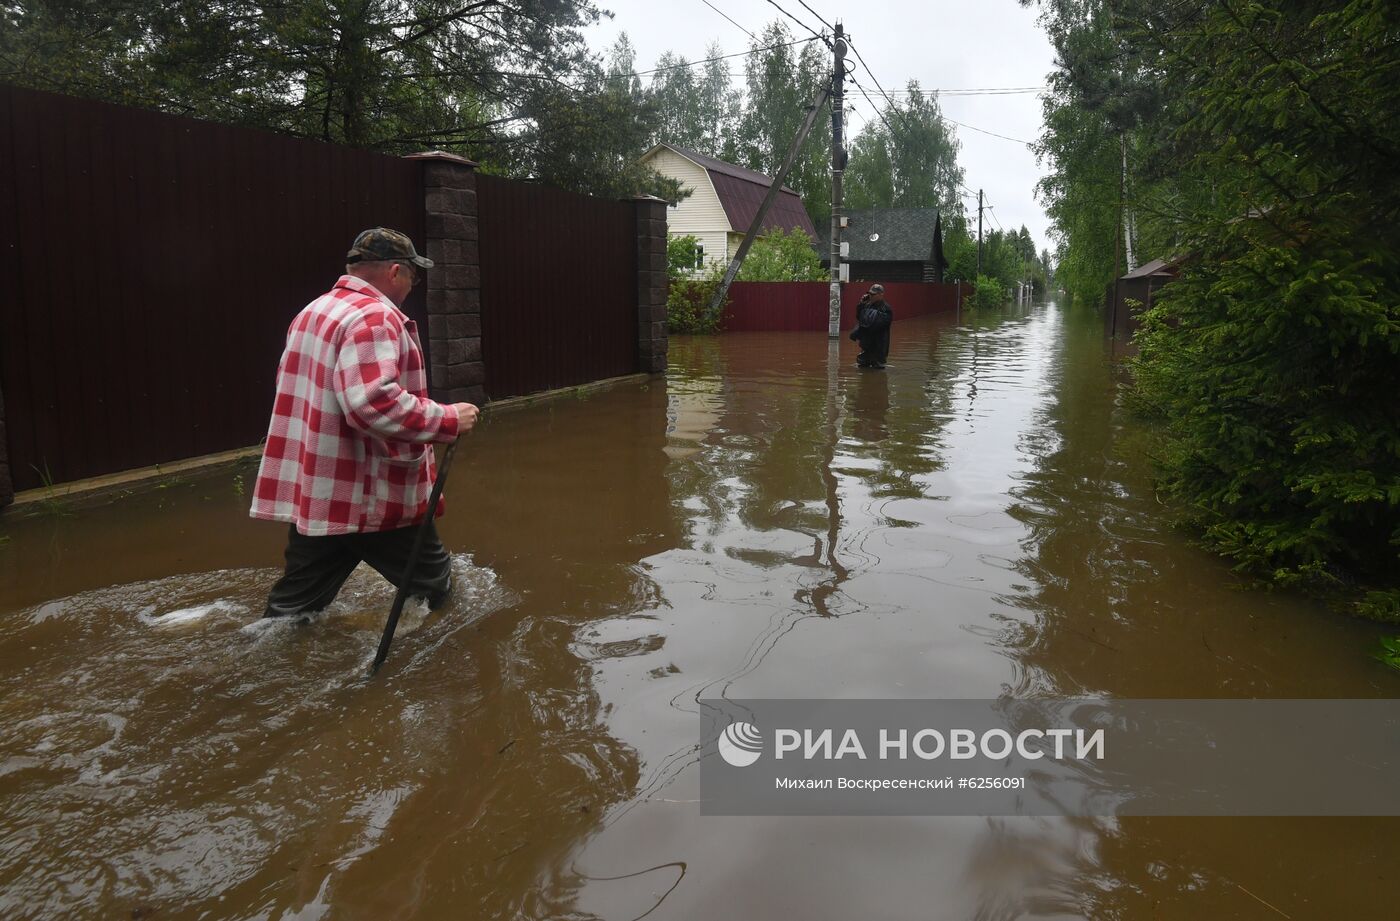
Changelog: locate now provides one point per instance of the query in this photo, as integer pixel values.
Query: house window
(699, 256)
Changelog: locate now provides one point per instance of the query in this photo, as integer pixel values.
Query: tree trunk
(1129, 222)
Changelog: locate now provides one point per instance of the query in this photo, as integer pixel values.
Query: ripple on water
(163, 732)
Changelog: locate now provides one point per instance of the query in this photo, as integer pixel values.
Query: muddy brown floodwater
(767, 521)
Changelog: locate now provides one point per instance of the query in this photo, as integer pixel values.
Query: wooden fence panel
(558, 287)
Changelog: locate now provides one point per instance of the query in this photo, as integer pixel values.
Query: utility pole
(838, 167)
(778, 179)
(979, 233)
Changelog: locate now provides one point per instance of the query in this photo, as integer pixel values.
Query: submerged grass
(52, 503)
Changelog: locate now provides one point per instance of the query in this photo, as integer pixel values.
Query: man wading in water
(348, 461)
(873, 318)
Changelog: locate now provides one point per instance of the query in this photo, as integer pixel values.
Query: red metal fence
(558, 287)
(758, 306)
(153, 264)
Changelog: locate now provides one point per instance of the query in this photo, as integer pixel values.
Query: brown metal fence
(558, 287)
(153, 264)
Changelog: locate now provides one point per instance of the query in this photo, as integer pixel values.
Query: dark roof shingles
(741, 200)
(906, 234)
(727, 169)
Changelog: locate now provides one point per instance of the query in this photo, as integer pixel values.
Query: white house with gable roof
(723, 201)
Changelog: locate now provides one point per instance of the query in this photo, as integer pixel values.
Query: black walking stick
(402, 595)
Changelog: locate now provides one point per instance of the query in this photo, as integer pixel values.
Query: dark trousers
(874, 346)
(318, 566)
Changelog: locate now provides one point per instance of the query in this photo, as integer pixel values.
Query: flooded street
(767, 522)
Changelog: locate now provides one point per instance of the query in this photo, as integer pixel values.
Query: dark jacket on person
(873, 319)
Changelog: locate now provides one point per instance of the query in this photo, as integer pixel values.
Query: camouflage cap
(380, 244)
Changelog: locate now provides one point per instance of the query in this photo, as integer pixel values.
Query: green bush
(688, 303)
(1274, 363)
(988, 294)
(783, 256)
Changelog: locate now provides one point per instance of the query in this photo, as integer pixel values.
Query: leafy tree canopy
(907, 159)
(783, 256)
(510, 83)
(1258, 144)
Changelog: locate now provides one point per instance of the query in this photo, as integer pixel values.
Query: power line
(943, 117)
(656, 70)
(868, 70)
(726, 16)
(989, 89)
(816, 14)
(865, 119)
(737, 54)
(816, 37)
(985, 131)
(890, 128)
(952, 94)
(873, 106)
(876, 109)
(892, 105)
(975, 91)
(966, 192)
(798, 21)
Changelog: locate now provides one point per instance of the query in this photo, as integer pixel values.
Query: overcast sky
(949, 46)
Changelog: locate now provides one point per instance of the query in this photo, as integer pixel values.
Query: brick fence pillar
(456, 371)
(7, 486)
(651, 284)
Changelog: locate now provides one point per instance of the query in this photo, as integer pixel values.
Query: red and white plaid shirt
(348, 448)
